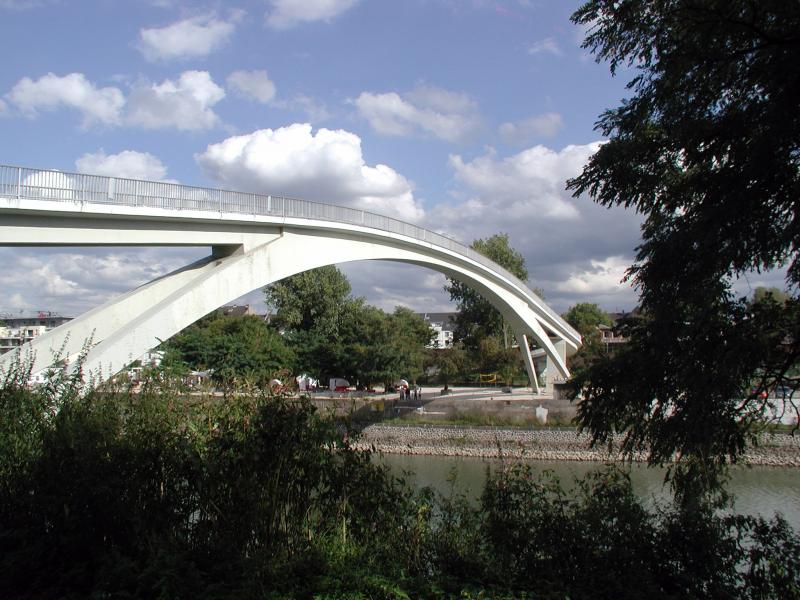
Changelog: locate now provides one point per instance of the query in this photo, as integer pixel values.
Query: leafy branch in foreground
(707, 149)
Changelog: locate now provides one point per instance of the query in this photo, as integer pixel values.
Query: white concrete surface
(249, 252)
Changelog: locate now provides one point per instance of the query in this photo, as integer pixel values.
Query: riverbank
(777, 449)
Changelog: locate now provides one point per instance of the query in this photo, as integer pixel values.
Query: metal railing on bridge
(41, 184)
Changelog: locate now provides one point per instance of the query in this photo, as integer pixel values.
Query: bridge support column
(554, 372)
(525, 348)
(67, 341)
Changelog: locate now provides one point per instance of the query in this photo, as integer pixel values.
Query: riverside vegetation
(163, 495)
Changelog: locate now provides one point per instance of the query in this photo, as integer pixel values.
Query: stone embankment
(535, 444)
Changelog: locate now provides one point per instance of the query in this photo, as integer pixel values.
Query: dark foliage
(157, 496)
(153, 495)
(236, 349)
(707, 149)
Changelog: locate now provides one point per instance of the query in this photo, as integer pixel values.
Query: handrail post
(19, 183)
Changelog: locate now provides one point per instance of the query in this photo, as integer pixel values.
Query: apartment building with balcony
(16, 329)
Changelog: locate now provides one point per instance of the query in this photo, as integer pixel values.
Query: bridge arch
(249, 252)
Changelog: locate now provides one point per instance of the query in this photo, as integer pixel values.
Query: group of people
(413, 392)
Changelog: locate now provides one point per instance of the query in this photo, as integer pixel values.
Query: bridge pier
(553, 368)
(524, 346)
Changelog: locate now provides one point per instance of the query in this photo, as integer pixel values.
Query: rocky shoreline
(778, 449)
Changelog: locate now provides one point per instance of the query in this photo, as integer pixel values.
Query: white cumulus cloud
(253, 85)
(190, 38)
(575, 250)
(545, 125)
(447, 115)
(128, 163)
(17, 301)
(529, 184)
(71, 282)
(599, 281)
(388, 284)
(326, 166)
(43, 276)
(288, 13)
(184, 104)
(545, 46)
(600, 277)
(50, 92)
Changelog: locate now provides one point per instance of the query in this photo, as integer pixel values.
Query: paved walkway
(462, 402)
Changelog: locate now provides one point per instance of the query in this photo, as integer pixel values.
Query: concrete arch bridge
(255, 240)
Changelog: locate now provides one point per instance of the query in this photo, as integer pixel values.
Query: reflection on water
(757, 490)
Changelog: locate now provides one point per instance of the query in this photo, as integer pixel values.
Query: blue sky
(465, 116)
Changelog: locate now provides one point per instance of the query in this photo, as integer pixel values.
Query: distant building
(237, 310)
(17, 329)
(243, 310)
(443, 324)
(610, 336)
(151, 358)
(13, 337)
(43, 317)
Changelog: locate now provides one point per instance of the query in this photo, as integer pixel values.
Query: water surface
(757, 490)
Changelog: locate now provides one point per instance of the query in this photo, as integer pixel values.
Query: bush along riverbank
(773, 449)
(116, 495)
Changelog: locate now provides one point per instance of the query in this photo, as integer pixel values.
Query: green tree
(385, 347)
(477, 318)
(158, 495)
(412, 335)
(707, 149)
(234, 348)
(312, 300)
(312, 308)
(495, 357)
(451, 363)
(336, 335)
(586, 317)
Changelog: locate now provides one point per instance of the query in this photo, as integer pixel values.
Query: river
(757, 490)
